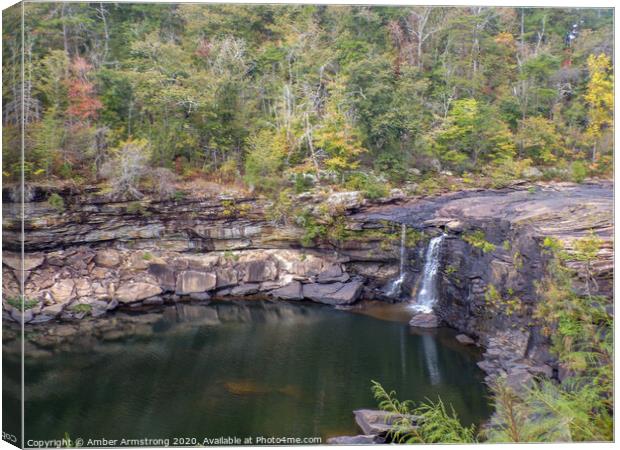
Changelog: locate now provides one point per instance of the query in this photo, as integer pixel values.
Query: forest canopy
(274, 95)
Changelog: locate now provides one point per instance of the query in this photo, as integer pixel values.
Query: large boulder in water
(360, 439)
(333, 293)
(134, 292)
(424, 320)
(292, 291)
(375, 422)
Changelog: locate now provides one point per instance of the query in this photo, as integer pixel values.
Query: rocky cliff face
(492, 259)
(96, 256)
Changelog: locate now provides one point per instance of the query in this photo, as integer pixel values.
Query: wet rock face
(491, 293)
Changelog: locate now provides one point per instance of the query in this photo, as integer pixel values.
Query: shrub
(82, 308)
(265, 161)
(281, 209)
(16, 302)
(229, 171)
(126, 171)
(163, 182)
(371, 187)
(56, 202)
(478, 239)
(579, 171)
(433, 422)
(312, 228)
(303, 182)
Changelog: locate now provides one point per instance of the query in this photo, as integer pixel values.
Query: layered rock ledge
(97, 256)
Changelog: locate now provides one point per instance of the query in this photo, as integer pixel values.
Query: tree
(540, 140)
(473, 134)
(600, 99)
(338, 139)
(265, 160)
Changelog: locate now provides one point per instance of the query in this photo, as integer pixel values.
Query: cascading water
(427, 297)
(393, 289)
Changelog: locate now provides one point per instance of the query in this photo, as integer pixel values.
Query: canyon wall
(96, 255)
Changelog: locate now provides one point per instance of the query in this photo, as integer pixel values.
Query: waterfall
(427, 297)
(393, 289)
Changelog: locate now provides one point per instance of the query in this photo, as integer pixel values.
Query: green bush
(371, 187)
(478, 239)
(56, 202)
(82, 308)
(302, 182)
(16, 302)
(433, 422)
(312, 228)
(579, 171)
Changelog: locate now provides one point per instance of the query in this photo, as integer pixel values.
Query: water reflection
(239, 368)
(432, 363)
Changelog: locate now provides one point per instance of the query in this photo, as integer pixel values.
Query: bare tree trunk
(541, 35)
(106, 33)
(311, 147)
(64, 29)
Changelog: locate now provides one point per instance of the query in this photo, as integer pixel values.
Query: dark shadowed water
(242, 369)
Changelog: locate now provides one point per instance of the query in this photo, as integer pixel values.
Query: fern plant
(426, 423)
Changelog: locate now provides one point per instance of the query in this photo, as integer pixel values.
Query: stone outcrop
(376, 422)
(117, 277)
(515, 222)
(132, 254)
(192, 281)
(333, 293)
(133, 292)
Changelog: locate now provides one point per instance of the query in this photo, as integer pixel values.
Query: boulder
(260, 270)
(298, 263)
(333, 274)
(292, 291)
(156, 300)
(190, 281)
(245, 289)
(424, 320)
(360, 439)
(544, 370)
(375, 422)
(17, 315)
(63, 291)
(339, 201)
(334, 293)
(532, 172)
(53, 310)
(14, 261)
(165, 275)
(200, 296)
(108, 258)
(464, 339)
(138, 261)
(135, 291)
(226, 277)
(519, 381)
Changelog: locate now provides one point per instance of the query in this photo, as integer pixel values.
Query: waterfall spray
(427, 297)
(394, 287)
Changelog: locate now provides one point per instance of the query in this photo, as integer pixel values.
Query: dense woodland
(275, 96)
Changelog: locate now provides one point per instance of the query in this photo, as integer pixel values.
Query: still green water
(244, 369)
